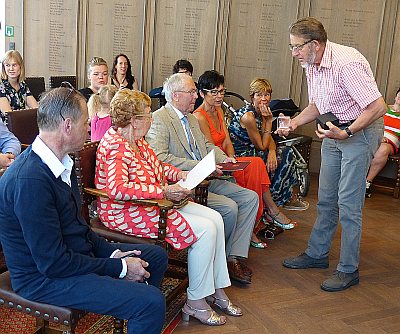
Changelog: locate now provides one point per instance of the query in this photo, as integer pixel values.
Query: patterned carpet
(13, 322)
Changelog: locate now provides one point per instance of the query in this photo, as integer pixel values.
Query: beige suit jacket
(168, 139)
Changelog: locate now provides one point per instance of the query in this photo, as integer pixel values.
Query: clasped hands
(136, 271)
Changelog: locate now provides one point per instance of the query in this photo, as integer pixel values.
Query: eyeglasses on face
(192, 92)
(298, 47)
(262, 95)
(215, 92)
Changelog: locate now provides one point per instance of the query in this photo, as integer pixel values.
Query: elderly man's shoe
(236, 272)
(303, 261)
(246, 270)
(340, 281)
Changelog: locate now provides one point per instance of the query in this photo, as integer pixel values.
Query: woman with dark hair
(14, 92)
(121, 73)
(255, 176)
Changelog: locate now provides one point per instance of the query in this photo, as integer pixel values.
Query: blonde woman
(14, 92)
(97, 73)
(99, 111)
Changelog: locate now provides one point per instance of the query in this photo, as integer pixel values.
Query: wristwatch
(348, 131)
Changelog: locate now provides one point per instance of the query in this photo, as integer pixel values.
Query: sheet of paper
(204, 168)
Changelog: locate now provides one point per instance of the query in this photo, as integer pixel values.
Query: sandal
(288, 226)
(258, 244)
(230, 309)
(213, 320)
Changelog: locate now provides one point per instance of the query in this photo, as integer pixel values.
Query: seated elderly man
(176, 138)
(10, 146)
(51, 253)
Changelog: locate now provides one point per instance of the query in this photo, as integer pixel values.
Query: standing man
(176, 138)
(51, 253)
(340, 81)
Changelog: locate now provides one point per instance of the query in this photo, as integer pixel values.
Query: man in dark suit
(51, 253)
(176, 137)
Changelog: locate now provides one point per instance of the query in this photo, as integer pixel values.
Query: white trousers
(207, 266)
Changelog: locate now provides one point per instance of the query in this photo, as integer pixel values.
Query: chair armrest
(161, 203)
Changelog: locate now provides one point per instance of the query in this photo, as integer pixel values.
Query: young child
(99, 111)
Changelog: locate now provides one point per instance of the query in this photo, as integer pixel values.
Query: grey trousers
(341, 194)
(238, 207)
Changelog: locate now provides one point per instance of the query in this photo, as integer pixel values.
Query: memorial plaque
(50, 37)
(114, 27)
(354, 23)
(258, 41)
(184, 30)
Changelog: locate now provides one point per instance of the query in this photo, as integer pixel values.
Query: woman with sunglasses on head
(97, 73)
(254, 176)
(14, 92)
(121, 73)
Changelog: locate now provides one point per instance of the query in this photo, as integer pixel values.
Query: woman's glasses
(215, 92)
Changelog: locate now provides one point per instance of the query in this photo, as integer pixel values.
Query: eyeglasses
(144, 117)
(215, 92)
(299, 47)
(185, 71)
(262, 95)
(71, 88)
(192, 92)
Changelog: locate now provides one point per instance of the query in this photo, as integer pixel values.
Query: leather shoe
(246, 270)
(236, 272)
(340, 281)
(303, 261)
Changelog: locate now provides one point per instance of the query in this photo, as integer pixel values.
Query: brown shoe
(236, 272)
(246, 270)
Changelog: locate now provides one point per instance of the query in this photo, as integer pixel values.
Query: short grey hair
(174, 83)
(309, 28)
(57, 104)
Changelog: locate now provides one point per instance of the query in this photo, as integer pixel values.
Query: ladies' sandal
(230, 309)
(288, 226)
(213, 320)
(258, 244)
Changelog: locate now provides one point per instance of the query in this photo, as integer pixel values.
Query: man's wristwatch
(348, 131)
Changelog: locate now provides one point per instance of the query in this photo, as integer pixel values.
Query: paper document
(204, 168)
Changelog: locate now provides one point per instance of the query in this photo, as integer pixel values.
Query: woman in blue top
(14, 93)
(250, 132)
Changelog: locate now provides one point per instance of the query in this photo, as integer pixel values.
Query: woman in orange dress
(254, 176)
(127, 168)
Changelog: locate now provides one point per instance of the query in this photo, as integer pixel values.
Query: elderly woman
(121, 73)
(97, 73)
(255, 177)
(14, 93)
(250, 131)
(127, 168)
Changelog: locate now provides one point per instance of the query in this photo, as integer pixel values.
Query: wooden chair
(55, 81)
(65, 317)
(85, 164)
(36, 86)
(388, 180)
(23, 124)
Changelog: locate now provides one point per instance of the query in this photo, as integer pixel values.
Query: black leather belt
(346, 124)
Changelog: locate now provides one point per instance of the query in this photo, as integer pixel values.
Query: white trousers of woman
(207, 266)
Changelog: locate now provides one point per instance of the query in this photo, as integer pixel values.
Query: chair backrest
(85, 167)
(23, 124)
(55, 81)
(36, 86)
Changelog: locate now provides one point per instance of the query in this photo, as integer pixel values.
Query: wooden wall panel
(50, 37)
(184, 29)
(258, 44)
(116, 26)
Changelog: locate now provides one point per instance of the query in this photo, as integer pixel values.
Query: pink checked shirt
(343, 83)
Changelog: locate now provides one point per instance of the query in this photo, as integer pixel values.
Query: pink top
(99, 126)
(343, 83)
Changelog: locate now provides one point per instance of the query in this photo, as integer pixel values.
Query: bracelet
(267, 131)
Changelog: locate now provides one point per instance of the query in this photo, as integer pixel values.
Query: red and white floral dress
(125, 174)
